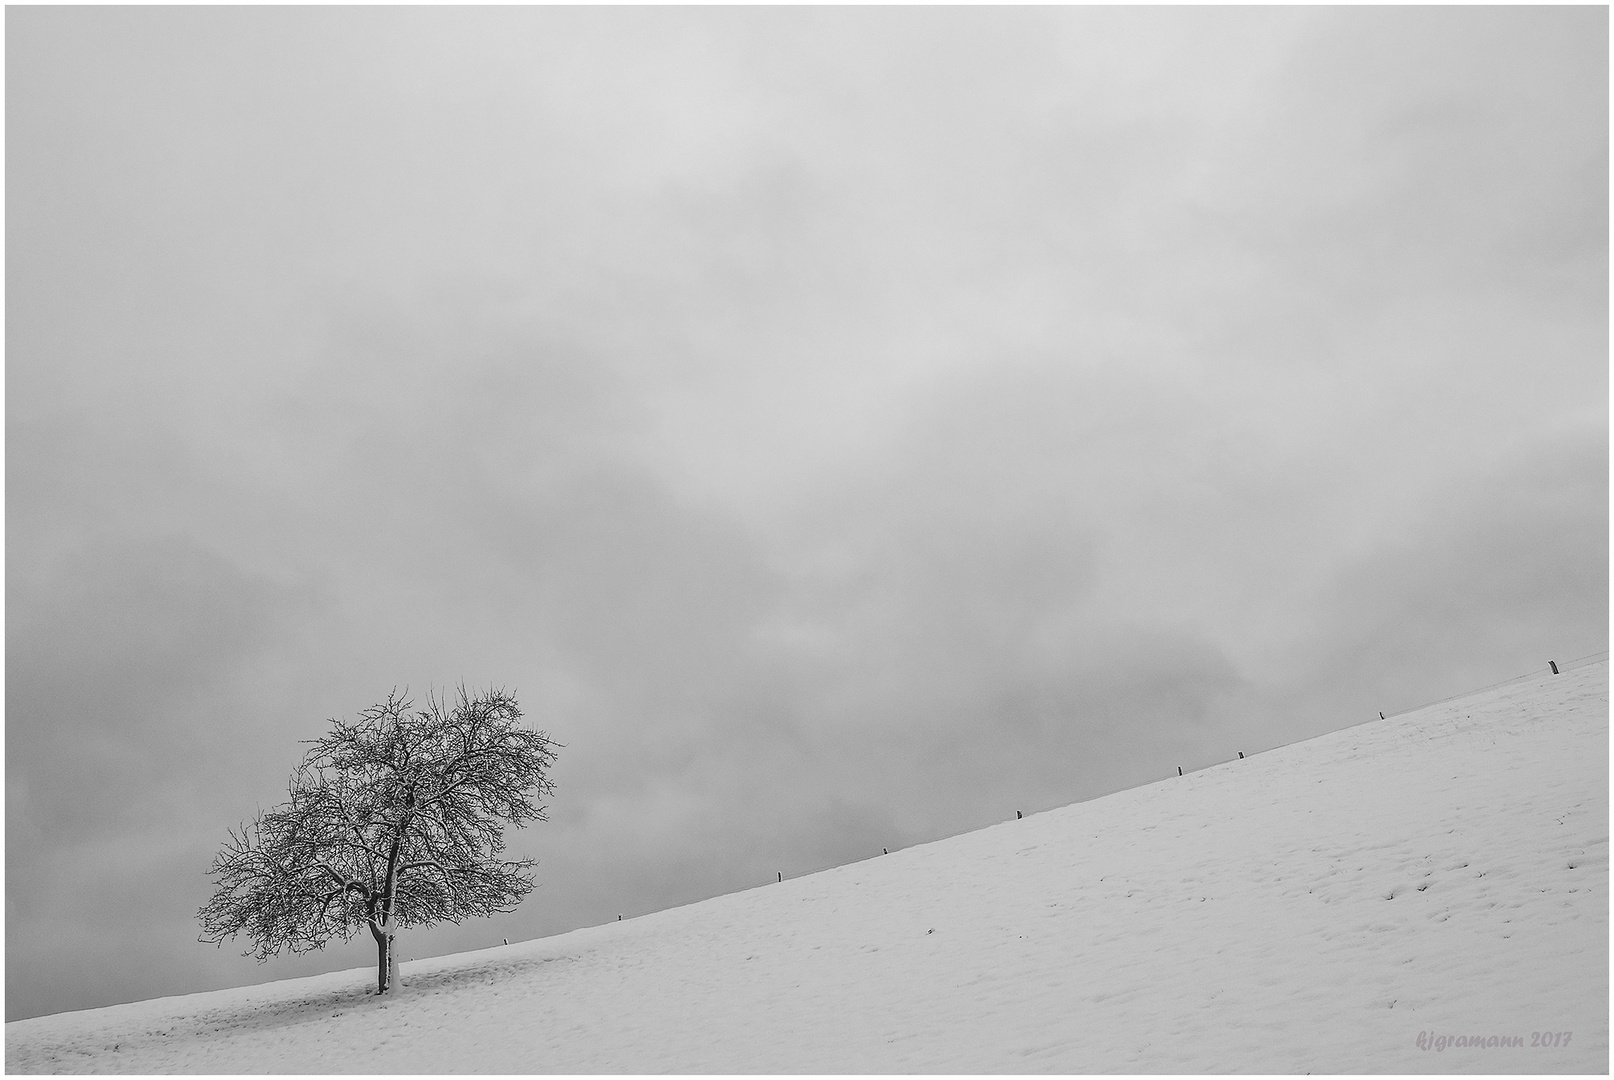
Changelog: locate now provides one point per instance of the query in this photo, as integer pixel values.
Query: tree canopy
(394, 820)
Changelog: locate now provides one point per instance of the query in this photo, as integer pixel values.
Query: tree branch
(418, 865)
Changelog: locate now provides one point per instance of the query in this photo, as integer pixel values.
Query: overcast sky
(841, 428)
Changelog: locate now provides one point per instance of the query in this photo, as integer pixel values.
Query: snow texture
(1325, 906)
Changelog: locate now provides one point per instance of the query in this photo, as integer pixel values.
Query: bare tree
(395, 820)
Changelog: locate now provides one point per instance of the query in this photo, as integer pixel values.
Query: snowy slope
(1317, 907)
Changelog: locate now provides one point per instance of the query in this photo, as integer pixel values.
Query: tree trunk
(387, 975)
(386, 956)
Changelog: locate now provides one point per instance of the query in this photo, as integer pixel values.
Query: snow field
(1314, 908)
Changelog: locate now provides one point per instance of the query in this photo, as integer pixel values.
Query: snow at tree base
(1423, 894)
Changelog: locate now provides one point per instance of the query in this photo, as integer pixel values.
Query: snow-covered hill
(1377, 899)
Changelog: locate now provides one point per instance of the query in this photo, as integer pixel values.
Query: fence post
(1554, 665)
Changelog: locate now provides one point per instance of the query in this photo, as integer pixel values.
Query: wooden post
(1554, 665)
(1241, 755)
(1179, 770)
(1017, 815)
(781, 874)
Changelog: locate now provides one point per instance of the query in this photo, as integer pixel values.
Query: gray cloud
(842, 427)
